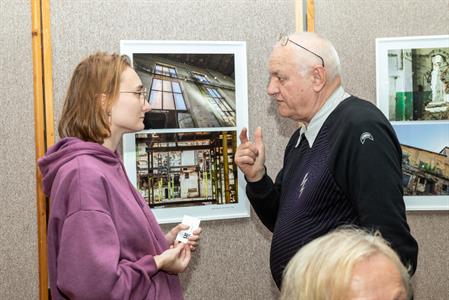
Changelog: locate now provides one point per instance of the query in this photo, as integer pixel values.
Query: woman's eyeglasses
(143, 95)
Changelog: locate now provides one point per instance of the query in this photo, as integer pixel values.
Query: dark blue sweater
(338, 181)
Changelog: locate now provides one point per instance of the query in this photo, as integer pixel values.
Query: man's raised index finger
(243, 135)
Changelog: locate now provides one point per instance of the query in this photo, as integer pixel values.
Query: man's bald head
(318, 45)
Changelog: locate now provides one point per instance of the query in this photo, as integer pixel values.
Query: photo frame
(412, 82)
(183, 161)
(406, 71)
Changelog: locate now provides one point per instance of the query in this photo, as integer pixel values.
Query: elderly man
(343, 166)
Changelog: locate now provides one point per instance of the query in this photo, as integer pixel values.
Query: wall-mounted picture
(182, 162)
(425, 165)
(187, 168)
(188, 90)
(191, 84)
(413, 78)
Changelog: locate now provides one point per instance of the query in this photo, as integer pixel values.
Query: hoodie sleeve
(89, 265)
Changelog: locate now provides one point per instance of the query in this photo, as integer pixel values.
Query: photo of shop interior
(186, 169)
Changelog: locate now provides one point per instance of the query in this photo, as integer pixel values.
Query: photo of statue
(418, 84)
(439, 88)
(436, 83)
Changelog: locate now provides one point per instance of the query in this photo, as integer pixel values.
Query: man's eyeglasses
(283, 40)
(143, 95)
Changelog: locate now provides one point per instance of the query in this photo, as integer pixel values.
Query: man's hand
(250, 156)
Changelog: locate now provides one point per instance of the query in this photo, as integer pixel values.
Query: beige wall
(18, 230)
(353, 26)
(232, 262)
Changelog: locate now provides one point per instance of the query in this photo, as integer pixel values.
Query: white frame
(241, 209)
(413, 203)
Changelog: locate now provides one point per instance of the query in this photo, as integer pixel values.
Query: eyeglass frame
(143, 94)
(284, 39)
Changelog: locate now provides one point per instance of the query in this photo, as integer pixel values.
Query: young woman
(103, 240)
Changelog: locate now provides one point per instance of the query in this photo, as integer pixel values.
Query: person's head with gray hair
(346, 264)
(304, 71)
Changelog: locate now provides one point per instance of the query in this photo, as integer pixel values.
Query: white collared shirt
(318, 119)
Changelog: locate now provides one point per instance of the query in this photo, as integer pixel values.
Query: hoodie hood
(66, 150)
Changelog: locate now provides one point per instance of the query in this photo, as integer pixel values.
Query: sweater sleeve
(369, 170)
(89, 265)
(265, 195)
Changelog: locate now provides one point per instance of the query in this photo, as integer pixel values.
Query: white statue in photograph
(436, 83)
(440, 92)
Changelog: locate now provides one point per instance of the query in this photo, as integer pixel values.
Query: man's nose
(272, 88)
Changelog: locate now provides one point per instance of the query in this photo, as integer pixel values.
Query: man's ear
(318, 78)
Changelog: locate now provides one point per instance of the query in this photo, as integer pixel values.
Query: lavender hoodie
(101, 235)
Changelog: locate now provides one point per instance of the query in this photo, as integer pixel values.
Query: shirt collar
(318, 119)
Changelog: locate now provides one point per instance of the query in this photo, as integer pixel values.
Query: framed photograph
(425, 165)
(183, 161)
(412, 76)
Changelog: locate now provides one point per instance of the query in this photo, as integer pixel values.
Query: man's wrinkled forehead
(281, 60)
(279, 54)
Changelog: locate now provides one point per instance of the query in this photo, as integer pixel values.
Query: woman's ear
(103, 102)
(104, 106)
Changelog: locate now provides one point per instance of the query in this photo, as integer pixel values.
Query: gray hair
(311, 272)
(321, 46)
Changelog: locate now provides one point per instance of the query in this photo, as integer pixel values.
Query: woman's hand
(175, 259)
(171, 235)
(193, 240)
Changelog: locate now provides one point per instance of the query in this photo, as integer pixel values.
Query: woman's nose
(147, 107)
